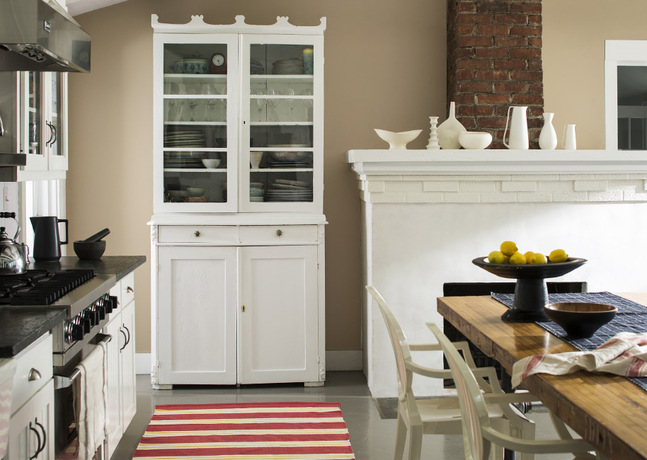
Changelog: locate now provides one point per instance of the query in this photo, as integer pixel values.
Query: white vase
(548, 135)
(433, 134)
(569, 142)
(449, 129)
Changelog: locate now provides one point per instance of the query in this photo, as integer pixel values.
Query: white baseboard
(336, 360)
(344, 360)
(142, 363)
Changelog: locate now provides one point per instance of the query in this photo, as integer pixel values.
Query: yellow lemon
(508, 248)
(496, 257)
(538, 258)
(517, 259)
(558, 255)
(528, 255)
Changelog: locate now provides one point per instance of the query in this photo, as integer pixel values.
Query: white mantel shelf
(488, 162)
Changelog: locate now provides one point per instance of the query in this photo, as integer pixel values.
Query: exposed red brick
(524, 53)
(462, 99)
(474, 87)
(511, 19)
(480, 64)
(464, 75)
(465, 7)
(526, 7)
(511, 87)
(492, 122)
(492, 7)
(474, 19)
(534, 31)
(510, 64)
(535, 64)
(493, 98)
(499, 29)
(492, 75)
(534, 41)
(492, 53)
(484, 110)
(471, 41)
(527, 99)
(510, 41)
(526, 75)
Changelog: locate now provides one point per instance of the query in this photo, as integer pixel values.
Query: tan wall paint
(573, 56)
(385, 68)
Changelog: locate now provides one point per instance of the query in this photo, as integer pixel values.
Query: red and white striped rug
(288, 430)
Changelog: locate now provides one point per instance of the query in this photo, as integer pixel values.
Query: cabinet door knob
(33, 375)
(279, 232)
(243, 308)
(197, 233)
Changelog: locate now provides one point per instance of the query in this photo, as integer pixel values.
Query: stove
(83, 294)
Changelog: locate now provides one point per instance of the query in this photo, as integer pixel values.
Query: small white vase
(433, 134)
(548, 135)
(569, 141)
(449, 129)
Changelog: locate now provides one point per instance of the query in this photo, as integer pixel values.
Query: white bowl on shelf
(195, 191)
(474, 139)
(398, 141)
(211, 163)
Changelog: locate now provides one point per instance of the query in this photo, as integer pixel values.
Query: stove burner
(38, 287)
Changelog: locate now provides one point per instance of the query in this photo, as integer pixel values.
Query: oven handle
(63, 381)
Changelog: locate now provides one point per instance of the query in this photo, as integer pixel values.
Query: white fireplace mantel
(427, 213)
(461, 162)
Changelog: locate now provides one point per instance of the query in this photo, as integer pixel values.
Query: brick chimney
(493, 62)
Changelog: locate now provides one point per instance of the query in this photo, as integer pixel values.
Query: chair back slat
(399, 342)
(473, 407)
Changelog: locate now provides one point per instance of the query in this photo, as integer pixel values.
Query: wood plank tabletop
(608, 411)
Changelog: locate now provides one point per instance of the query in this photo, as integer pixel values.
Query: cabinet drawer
(198, 234)
(127, 289)
(279, 234)
(33, 371)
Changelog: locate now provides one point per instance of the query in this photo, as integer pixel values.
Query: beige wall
(385, 68)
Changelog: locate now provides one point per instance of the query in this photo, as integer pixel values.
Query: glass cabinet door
(279, 95)
(37, 133)
(197, 141)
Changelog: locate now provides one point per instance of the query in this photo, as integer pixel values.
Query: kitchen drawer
(278, 234)
(33, 371)
(205, 234)
(127, 289)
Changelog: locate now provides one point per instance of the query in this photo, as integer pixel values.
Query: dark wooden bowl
(580, 319)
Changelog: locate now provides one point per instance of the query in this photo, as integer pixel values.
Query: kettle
(13, 255)
(47, 243)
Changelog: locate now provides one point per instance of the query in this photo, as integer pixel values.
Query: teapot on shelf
(14, 256)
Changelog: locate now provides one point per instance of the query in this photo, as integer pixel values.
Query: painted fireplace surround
(427, 213)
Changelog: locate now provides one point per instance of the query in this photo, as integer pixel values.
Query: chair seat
(447, 409)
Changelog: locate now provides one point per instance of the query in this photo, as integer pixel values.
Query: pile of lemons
(509, 253)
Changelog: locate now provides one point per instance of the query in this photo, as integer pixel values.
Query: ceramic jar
(449, 130)
(548, 136)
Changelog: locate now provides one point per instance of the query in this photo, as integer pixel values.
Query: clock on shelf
(218, 63)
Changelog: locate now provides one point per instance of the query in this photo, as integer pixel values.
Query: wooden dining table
(608, 411)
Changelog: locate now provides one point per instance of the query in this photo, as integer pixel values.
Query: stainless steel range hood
(39, 35)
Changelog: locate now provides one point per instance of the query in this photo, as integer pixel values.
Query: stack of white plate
(184, 138)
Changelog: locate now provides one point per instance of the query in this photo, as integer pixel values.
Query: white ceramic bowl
(475, 139)
(288, 156)
(195, 191)
(211, 163)
(398, 141)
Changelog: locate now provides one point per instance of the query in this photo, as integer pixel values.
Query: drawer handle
(129, 290)
(33, 375)
(197, 233)
(279, 232)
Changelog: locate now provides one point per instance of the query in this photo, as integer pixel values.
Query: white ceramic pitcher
(518, 128)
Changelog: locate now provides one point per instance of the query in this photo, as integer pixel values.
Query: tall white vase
(548, 135)
(449, 130)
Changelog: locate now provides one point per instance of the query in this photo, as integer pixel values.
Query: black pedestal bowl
(530, 293)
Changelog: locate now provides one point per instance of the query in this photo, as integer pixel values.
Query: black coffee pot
(47, 243)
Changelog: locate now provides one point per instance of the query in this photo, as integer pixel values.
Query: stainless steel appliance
(41, 36)
(85, 297)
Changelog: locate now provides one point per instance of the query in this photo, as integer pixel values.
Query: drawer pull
(197, 233)
(129, 290)
(279, 232)
(33, 375)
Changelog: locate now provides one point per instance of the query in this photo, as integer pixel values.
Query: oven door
(71, 400)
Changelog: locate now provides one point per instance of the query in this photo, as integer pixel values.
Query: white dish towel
(90, 395)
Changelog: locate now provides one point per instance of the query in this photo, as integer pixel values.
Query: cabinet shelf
(196, 170)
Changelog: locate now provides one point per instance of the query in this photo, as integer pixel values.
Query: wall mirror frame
(625, 77)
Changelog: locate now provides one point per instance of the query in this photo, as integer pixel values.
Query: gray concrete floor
(372, 438)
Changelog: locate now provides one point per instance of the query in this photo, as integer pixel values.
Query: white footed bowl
(474, 139)
(398, 140)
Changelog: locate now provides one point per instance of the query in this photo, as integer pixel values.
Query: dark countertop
(21, 326)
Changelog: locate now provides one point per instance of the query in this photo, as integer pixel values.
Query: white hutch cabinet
(238, 226)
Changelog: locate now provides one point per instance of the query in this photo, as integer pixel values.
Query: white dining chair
(479, 433)
(442, 415)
